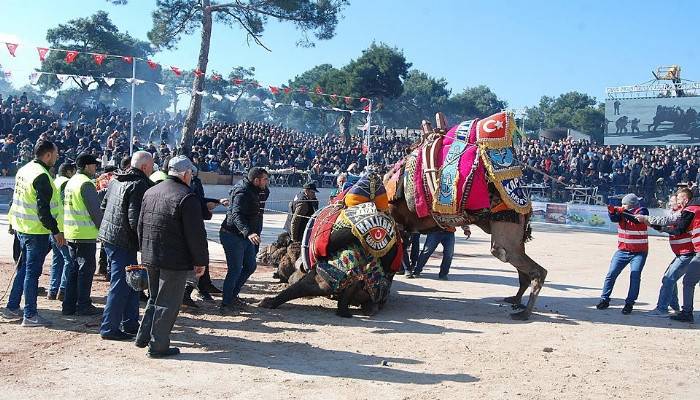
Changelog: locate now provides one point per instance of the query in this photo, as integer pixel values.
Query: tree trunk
(198, 85)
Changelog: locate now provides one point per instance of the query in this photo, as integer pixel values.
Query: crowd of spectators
(229, 148)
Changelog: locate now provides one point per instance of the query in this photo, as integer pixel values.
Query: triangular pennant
(287, 90)
(128, 59)
(152, 64)
(62, 77)
(348, 100)
(203, 93)
(161, 88)
(319, 90)
(71, 56)
(229, 97)
(334, 97)
(294, 104)
(268, 102)
(8, 74)
(364, 99)
(129, 80)
(99, 58)
(109, 81)
(302, 89)
(366, 108)
(278, 105)
(139, 81)
(274, 90)
(12, 47)
(198, 73)
(87, 80)
(309, 104)
(43, 51)
(34, 77)
(217, 96)
(215, 77)
(176, 70)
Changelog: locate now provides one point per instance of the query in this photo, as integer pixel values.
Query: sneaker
(442, 277)
(413, 275)
(173, 351)
(603, 304)
(657, 313)
(35, 321)
(683, 316)
(89, 311)
(627, 309)
(206, 297)
(117, 336)
(188, 302)
(11, 313)
(228, 309)
(52, 296)
(214, 290)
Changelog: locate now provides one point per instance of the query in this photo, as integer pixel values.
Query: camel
(509, 231)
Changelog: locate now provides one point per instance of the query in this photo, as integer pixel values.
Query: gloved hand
(612, 209)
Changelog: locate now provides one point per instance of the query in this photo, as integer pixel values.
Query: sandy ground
(434, 340)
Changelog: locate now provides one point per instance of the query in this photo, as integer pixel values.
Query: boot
(187, 298)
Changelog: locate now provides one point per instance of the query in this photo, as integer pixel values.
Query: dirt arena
(434, 339)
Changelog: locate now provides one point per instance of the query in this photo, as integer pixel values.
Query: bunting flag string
(99, 58)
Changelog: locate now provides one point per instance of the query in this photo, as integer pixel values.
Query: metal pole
(369, 131)
(133, 90)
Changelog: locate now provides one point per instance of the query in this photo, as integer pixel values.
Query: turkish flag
(11, 47)
(71, 56)
(364, 99)
(152, 64)
(198, 72)
(274, 90)
(176, 70)
(334, 97)
(43, 51)
(128, 59)
(99, 58)
(237, 81)
(302, 89)
(216, 77)
(287, 90)
(348, 100)
(319, 90)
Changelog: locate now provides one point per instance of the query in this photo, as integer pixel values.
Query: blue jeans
(668, 294)
(447, 239)
(34, 250)
(411, 259)
(619, 261)
(240, 259)
(60, 263)
(691, 278)
(121, 312)
(79, 277)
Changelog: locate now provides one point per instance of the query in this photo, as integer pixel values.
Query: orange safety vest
(633, 236)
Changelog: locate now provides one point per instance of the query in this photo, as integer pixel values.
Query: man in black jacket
(118, 234)
(240, 233)
(173, 240)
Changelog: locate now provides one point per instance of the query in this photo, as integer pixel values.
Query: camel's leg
(507, 245)
(344, 299)
(524, 280)
(310, 285)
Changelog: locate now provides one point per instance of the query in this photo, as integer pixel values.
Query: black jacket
(44, 191)
(300, 210)
(122, 208)
(245, 213)
(171, 229)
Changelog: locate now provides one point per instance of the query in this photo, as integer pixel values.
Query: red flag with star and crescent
(71, 55)
(43, 51)
(12, 47)
(99, 58)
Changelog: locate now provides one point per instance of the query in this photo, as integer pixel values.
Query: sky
(522, 50)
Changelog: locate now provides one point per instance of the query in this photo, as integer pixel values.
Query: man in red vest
(632, 249)
(676, 225)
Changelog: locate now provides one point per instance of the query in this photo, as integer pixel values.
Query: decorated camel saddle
(447, 175)
(354, 239)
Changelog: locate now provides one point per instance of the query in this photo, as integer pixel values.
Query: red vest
(632, 236)
(694, 229)
(683, 243)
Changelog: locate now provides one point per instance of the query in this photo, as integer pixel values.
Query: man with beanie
(173, 243)
(118, 234)
(82, 219)
(61, 260)
(632, 249)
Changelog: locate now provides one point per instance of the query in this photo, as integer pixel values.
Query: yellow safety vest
(77, 220)
(24, 214)
(158, 176)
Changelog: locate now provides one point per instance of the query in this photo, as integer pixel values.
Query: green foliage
(422, 97)
(573, 110)
(378, 73)
(476, 102)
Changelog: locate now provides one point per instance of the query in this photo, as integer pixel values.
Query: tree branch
(249, 30)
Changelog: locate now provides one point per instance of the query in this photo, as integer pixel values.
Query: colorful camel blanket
(351, 265)
(375, 230)
(495, 136)
(369, 188)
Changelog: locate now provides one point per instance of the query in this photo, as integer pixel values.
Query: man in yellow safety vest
(61, 255)
(36, 214)
(82, 218)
